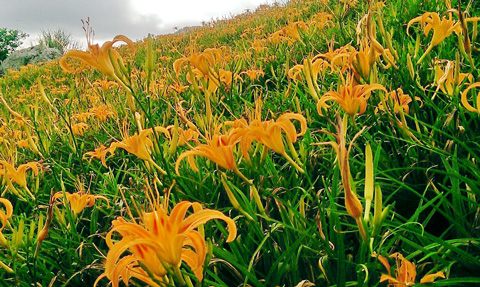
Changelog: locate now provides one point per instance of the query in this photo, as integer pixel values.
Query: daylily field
(314, 143)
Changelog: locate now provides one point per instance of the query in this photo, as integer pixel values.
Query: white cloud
(132, 18)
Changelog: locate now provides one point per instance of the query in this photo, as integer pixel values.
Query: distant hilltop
(186, 29)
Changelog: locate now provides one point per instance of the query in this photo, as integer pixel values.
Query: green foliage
(10, 39)
(425, 166)
(58, 39)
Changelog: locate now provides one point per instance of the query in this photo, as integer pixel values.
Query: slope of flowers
(313, 143)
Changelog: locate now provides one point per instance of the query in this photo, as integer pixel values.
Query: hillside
(315, 143)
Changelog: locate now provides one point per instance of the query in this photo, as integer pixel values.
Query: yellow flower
(19, 175)
(102, 112)
(79, 200)
(253, 74)
(269, 133)
(352, 98)
(450, 79)
(138, 144)
(292, 30)
(405, 272)
(101, 153)
(105, 85)
(441, 28)
(218, 149)
(98, 57)
(310, 69)
(78, 129)
(162, 240)
(4, 216)
(465, 102)
(399, 101)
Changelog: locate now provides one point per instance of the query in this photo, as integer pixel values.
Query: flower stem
(242, 176)
(157, 166)
(295, 165)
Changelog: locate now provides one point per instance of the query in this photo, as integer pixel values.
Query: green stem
(178, 275)
(425, 54)
(295, 165)
(242, 176)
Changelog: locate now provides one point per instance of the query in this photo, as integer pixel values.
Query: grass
(292, 226)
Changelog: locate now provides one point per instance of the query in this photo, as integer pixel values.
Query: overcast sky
(132, 18)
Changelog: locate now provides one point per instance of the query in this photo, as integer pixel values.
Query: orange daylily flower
(78, 129)
(465, 102)
(105, 85)
(102, 112)
(441, 28)
(398, 101)
(138, 144)
(253, 74)
(82, 116)
(362, 61)
(98, 57)
(203, 61)
(162, 240)
(450, 79)
(101, 153)
(405, 272)
(269, 133)
(4, 216)
(79, 200)
(338, 58)
(23, 143)
(219, 149)
(292, 30)
(177, 87)
(310, 69)
(352, 98)
(184, 136)
(19, 175)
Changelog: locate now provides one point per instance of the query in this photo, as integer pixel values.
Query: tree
(10, 40)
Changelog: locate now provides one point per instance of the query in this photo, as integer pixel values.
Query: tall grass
(292, 225)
